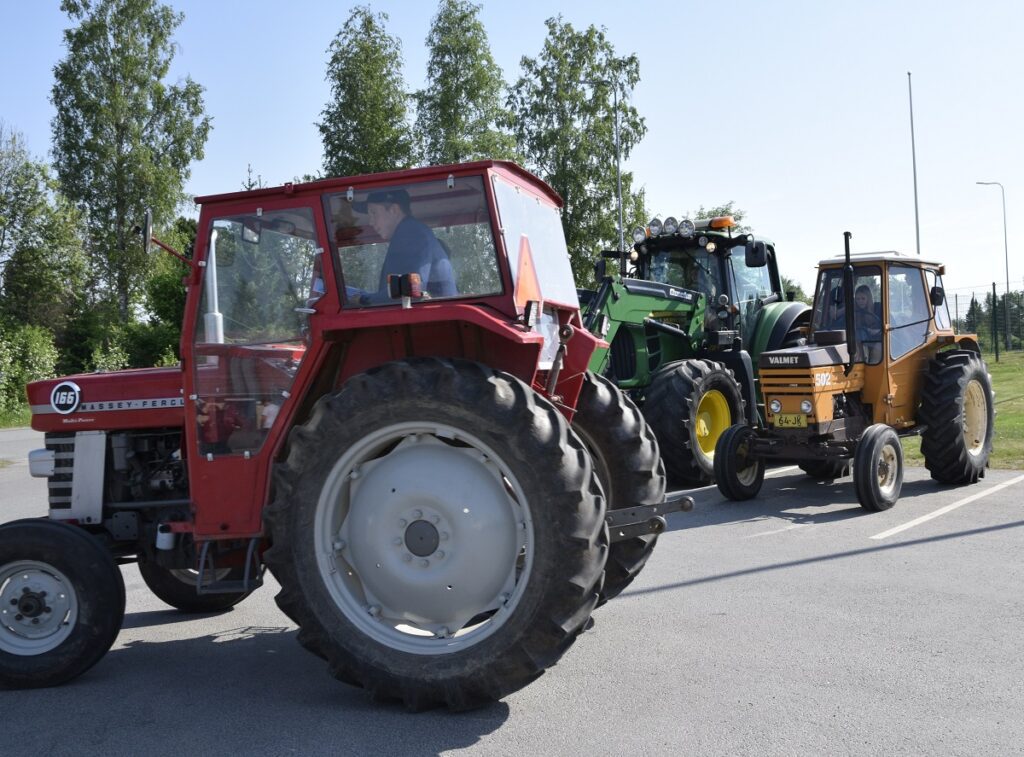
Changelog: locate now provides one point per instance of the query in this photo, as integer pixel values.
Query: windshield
(830, 308)
(535, 243)
(440, 230)
(692, 268)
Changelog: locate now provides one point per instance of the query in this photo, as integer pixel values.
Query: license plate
(791, 420)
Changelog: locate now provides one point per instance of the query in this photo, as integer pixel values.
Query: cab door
(247, 347)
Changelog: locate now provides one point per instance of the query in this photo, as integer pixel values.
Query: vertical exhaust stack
(851, 328)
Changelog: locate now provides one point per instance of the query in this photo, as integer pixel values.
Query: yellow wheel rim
(975, 417)
(713, 417)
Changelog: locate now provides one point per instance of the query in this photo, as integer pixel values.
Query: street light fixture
(1006, 252)
(618, 162)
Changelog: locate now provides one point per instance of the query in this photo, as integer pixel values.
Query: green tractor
(689, 310)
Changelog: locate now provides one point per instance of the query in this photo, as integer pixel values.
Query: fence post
(995, 320)
(956, 312)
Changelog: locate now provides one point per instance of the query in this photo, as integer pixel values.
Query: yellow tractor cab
(881, 361)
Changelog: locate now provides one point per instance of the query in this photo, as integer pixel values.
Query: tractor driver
(412, 246)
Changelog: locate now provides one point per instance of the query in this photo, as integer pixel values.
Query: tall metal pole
(913, 156)
(1006, 255)
(618, 165)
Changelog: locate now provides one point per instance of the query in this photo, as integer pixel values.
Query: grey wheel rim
(38, 608)
(424, 538)
(888, 465)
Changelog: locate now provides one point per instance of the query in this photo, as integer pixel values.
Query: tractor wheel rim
(38, 608)
(713, 418)
(887, 466)
(746, 470)
(975, 417)
(190, 576)
(425, 564)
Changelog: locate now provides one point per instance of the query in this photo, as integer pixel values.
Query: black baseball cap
(397, 197)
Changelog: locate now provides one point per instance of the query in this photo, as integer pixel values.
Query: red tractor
(384, 398)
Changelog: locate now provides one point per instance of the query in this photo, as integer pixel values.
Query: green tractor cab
(686, 314)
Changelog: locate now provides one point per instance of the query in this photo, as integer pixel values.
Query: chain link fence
(995, 315)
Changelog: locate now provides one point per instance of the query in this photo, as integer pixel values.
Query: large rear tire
(61, 603)
(878, 468)
(689, 405)
(957, 405)
(739, 474)
(437, 532)
(628, 465)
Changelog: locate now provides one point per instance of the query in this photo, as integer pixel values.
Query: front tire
(878, 468)
(739, 474)
(957, 405)
(689, 405)
(628, 465)
(437, 533)
(61, 603)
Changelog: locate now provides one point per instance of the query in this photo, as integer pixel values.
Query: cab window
(909, 316)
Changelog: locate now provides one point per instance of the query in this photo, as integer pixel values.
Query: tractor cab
(900, 318)
(881, 361)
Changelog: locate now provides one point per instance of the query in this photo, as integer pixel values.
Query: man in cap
(412, 246)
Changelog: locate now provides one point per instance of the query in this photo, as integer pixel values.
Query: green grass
(15, 418)
(1008, 444)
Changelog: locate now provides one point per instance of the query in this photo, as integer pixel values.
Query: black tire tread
(575, 507)
(81, 557)
(669, 407)
(607, 419)
(942, 444)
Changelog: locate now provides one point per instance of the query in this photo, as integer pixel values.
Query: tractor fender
(738, 361)
(776, 320)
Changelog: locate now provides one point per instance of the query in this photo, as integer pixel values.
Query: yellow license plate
(791, 420)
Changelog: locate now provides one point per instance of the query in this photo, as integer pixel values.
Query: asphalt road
(793, 624)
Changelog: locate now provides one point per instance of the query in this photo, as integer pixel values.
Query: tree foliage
(459, 113)
(365, 127)
(42, 267)
(563, 118)
(123, 139)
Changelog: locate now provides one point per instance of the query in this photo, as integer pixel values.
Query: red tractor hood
(142, 398)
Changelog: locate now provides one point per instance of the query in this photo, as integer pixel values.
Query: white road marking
(948, 508)
(778, 530)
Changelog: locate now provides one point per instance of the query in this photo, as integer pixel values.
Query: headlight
(639, 234)
(671, 224)
(710, 247)
(702, 241)
(806, 406)
(655, 226)
(686, 227)
(775, 406)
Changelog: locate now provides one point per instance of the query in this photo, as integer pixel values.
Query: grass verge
(1008, 443)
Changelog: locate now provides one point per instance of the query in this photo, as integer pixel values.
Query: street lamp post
(1006, 253)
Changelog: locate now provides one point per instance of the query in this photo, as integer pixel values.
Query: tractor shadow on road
(251, 689)
(793, 498)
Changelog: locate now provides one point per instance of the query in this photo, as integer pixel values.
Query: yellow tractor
(881, 362)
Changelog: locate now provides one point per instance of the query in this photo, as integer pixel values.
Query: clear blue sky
(797, 111)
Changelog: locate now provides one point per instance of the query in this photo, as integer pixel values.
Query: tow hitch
(627, 522)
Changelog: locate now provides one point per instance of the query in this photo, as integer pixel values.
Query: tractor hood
(143, 398)
(808, 356)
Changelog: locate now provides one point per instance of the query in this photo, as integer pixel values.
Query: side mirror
(790, 296)
(756, 254)
(600, 268)
(937, 296)
(147, 232)
(252, 229)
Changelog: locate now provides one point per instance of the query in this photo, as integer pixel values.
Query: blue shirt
(415, 249)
